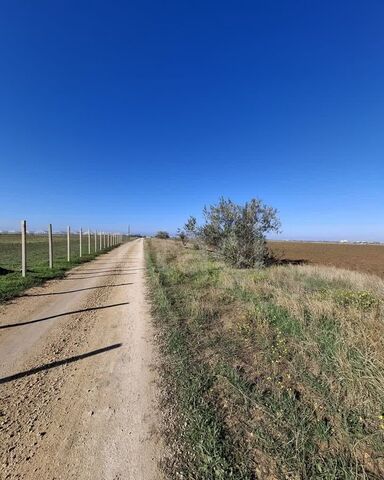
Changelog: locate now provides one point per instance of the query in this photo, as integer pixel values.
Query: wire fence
(43, 250)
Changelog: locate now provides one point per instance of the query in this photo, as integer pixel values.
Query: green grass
(10, 249)
(38, 271)
(265, 375)
(197, 431)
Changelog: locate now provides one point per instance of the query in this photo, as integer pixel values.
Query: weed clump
(362, 300)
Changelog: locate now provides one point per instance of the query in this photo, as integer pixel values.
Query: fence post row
(105, 240)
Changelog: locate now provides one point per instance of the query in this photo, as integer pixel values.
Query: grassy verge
(13, 284)
(272, 374)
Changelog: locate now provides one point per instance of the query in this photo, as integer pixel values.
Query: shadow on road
(58, 363)
(11, 325)
(114, 271)
(78, 290)
(74, 275)
(97, 276)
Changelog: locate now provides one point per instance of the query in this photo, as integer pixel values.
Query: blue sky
(116, 113)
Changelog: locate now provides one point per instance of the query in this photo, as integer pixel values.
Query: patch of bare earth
(362, 258)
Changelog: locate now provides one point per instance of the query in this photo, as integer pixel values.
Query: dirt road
(77, 387)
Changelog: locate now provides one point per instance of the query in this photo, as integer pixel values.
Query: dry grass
(293, 362)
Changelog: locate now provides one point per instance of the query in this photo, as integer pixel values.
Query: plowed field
(364, 258)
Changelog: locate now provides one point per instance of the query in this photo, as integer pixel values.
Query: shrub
(237, 232)
(182, 235)
(162, 234)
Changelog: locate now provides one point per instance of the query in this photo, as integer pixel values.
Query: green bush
(236, 232)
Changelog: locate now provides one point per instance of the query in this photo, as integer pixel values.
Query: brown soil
(363, 258)
(78, 398)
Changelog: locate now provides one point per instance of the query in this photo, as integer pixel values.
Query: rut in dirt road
(77, 377)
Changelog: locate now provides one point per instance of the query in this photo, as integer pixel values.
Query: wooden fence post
(81, 241)
(101, 240)
(89, 241)
(23, 248)
(50, 246)
(68, 243)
